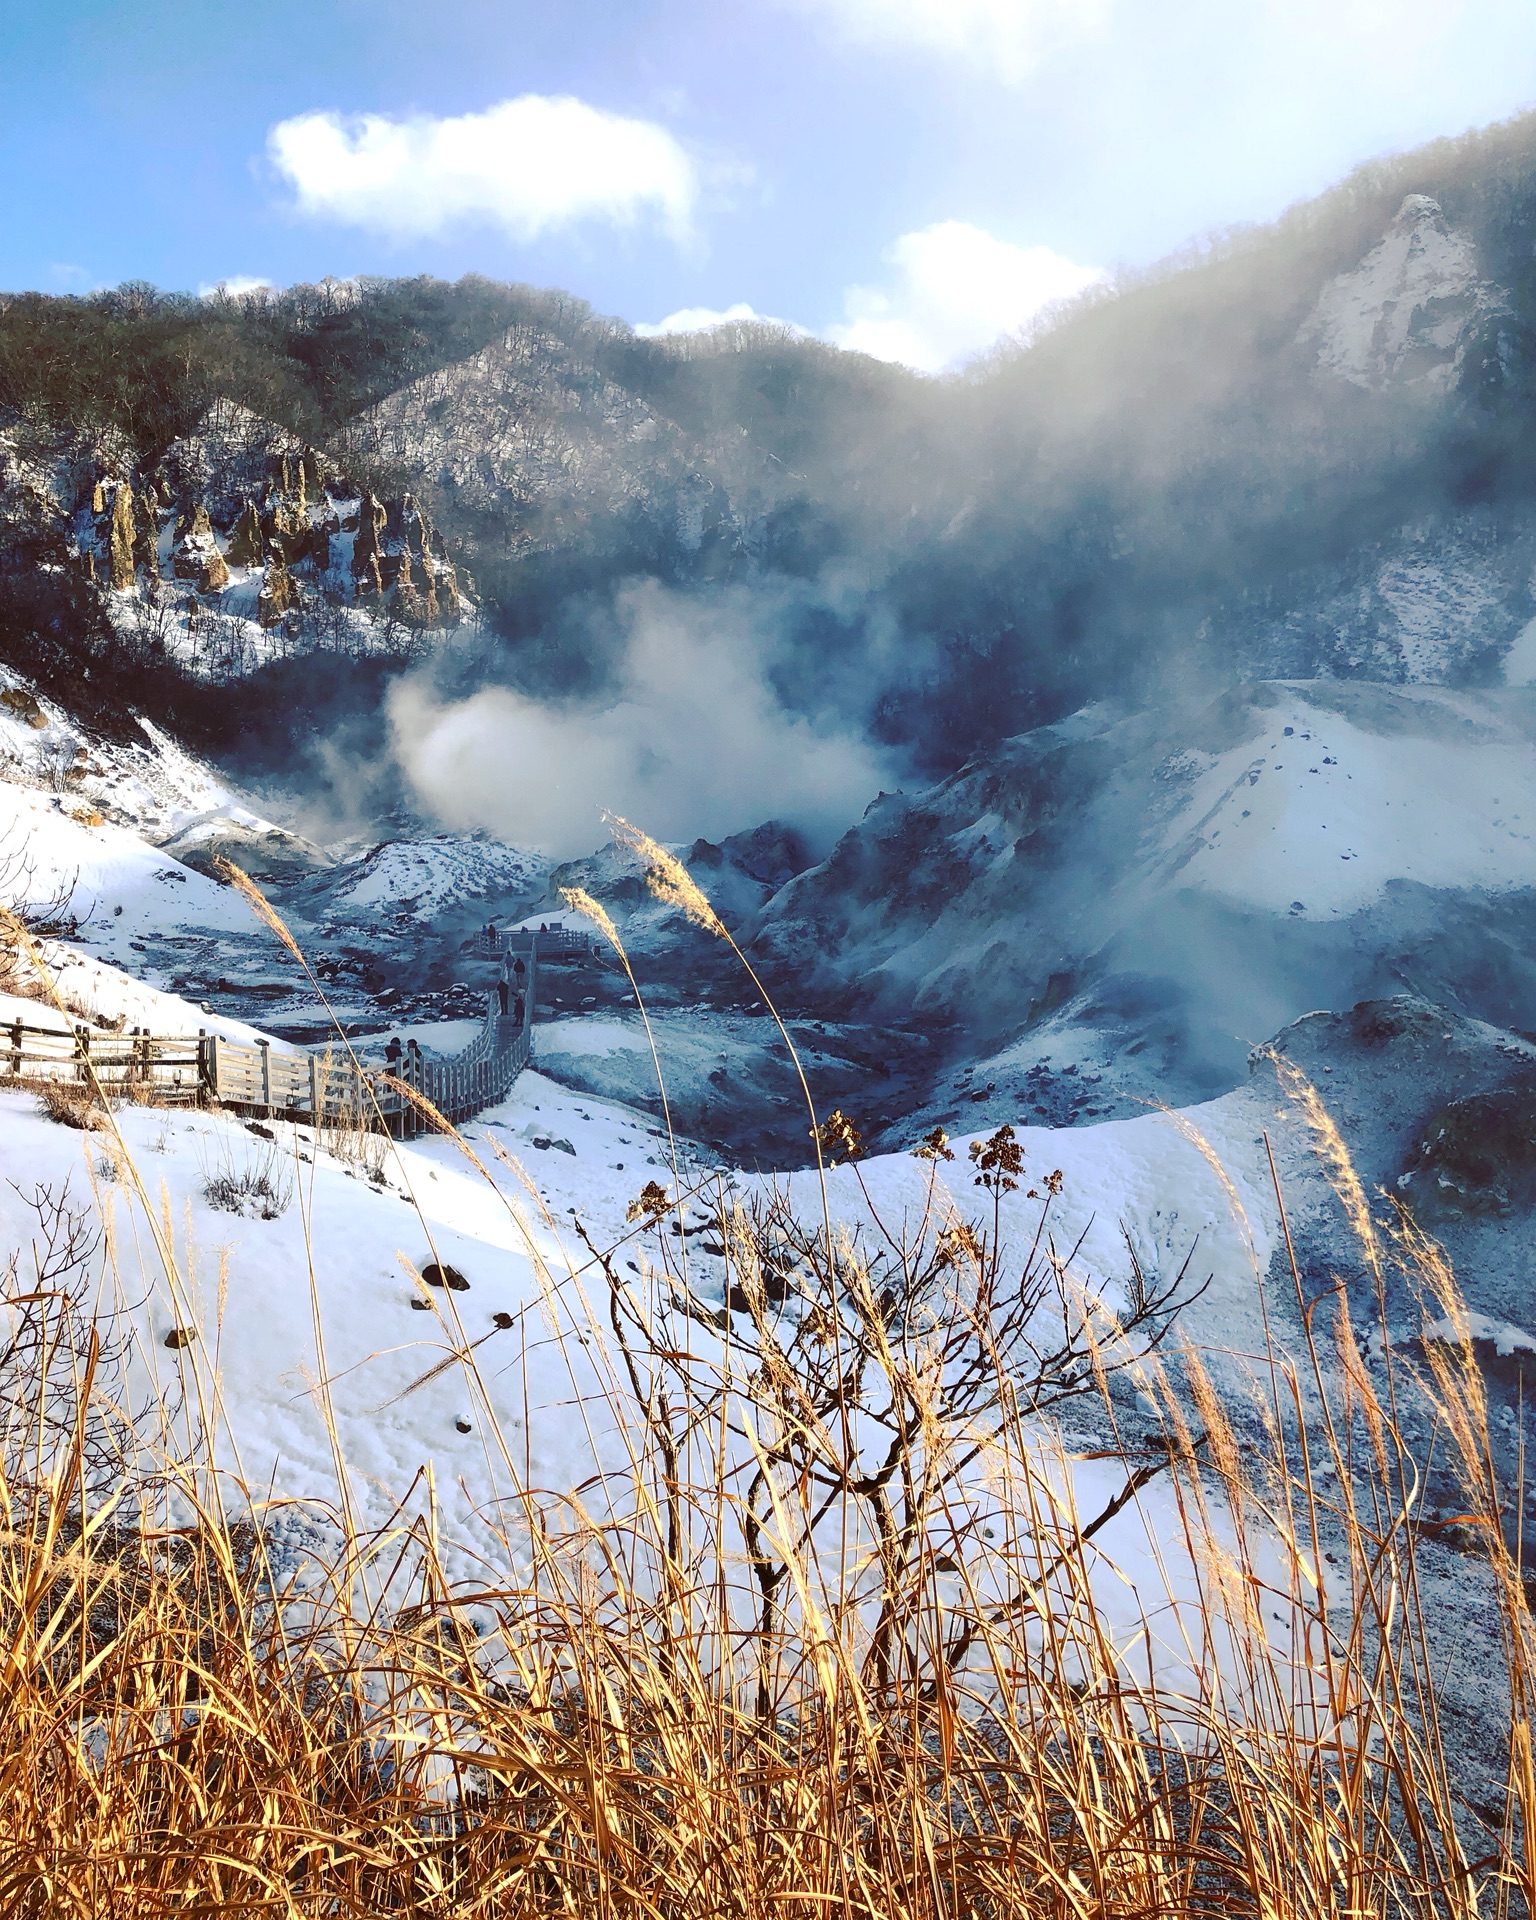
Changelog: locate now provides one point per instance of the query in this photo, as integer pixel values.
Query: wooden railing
(169, 1068)
(329, 1088)
(539, 943)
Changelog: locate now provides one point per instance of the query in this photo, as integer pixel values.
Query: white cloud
(701, 319)
(1008, 37)
(526, 165)
(693, 741)
(235, 287)
(956, 289)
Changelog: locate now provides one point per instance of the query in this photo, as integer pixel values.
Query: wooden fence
(326, 1088)
(538, 943)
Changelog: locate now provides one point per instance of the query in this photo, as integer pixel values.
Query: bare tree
(865, 1383)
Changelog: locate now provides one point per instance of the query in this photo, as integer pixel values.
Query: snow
(315, 1343)
(588, 1039)
(529, 1407)
(1148, 1175)
(1504, 1338)
(1438, 609)
(1404, 311)
(1151, 1182)
(1319, 814)
(427, 876)
(154, 787)
(104, 874)
(399, 1390)
(441, 1038)
(1520, 661)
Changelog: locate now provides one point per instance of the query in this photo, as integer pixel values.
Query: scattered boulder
(24, 705)
(438, 1275)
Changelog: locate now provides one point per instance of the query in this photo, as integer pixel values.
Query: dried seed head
(839, 1138)
(243, 884)
(651, 1205)
(580, 901)
(666, 876)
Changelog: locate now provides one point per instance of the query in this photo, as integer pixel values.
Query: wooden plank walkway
(326, 1088)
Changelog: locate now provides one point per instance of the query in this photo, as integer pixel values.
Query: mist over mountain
(406, 555)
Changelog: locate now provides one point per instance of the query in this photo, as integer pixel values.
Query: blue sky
(911, 176)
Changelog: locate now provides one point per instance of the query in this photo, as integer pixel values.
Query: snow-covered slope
(426, 878)
(1149, 895)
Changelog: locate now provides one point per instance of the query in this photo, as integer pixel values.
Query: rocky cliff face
(1408, 311)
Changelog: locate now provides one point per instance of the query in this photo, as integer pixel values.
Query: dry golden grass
(774, 1672)
(72, 1103)
(182, 1734)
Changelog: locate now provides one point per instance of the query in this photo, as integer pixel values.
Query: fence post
(83, 1050)
(208, 1062)
(314, 1089)
(266, 1075)
(16, 1046)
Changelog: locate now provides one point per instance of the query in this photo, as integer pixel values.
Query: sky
(909, 177)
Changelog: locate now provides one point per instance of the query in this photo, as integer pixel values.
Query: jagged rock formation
(1407, 312)
(367, 548)
(279, 593)
(395, 543)
(197, 555)
(122, 540)
(247, 544)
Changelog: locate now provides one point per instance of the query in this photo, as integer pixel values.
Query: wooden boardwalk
(326, 1088)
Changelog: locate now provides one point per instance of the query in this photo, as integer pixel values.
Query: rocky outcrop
(368, 548)
(121, 540)
(24, 704)
(279, 593)
(197, 555)
(397, 553)
(416, 606)
(148, 540)
(247, 544)
(1406, 313)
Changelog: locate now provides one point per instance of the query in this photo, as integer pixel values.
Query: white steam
(693, 741)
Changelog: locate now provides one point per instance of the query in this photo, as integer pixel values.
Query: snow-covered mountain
(1127, 902)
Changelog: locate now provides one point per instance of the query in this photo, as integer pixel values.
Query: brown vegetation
(833, 1640)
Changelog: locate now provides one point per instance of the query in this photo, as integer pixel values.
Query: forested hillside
(1187, 473)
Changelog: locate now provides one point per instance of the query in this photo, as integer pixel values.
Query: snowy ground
(1317, 816)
